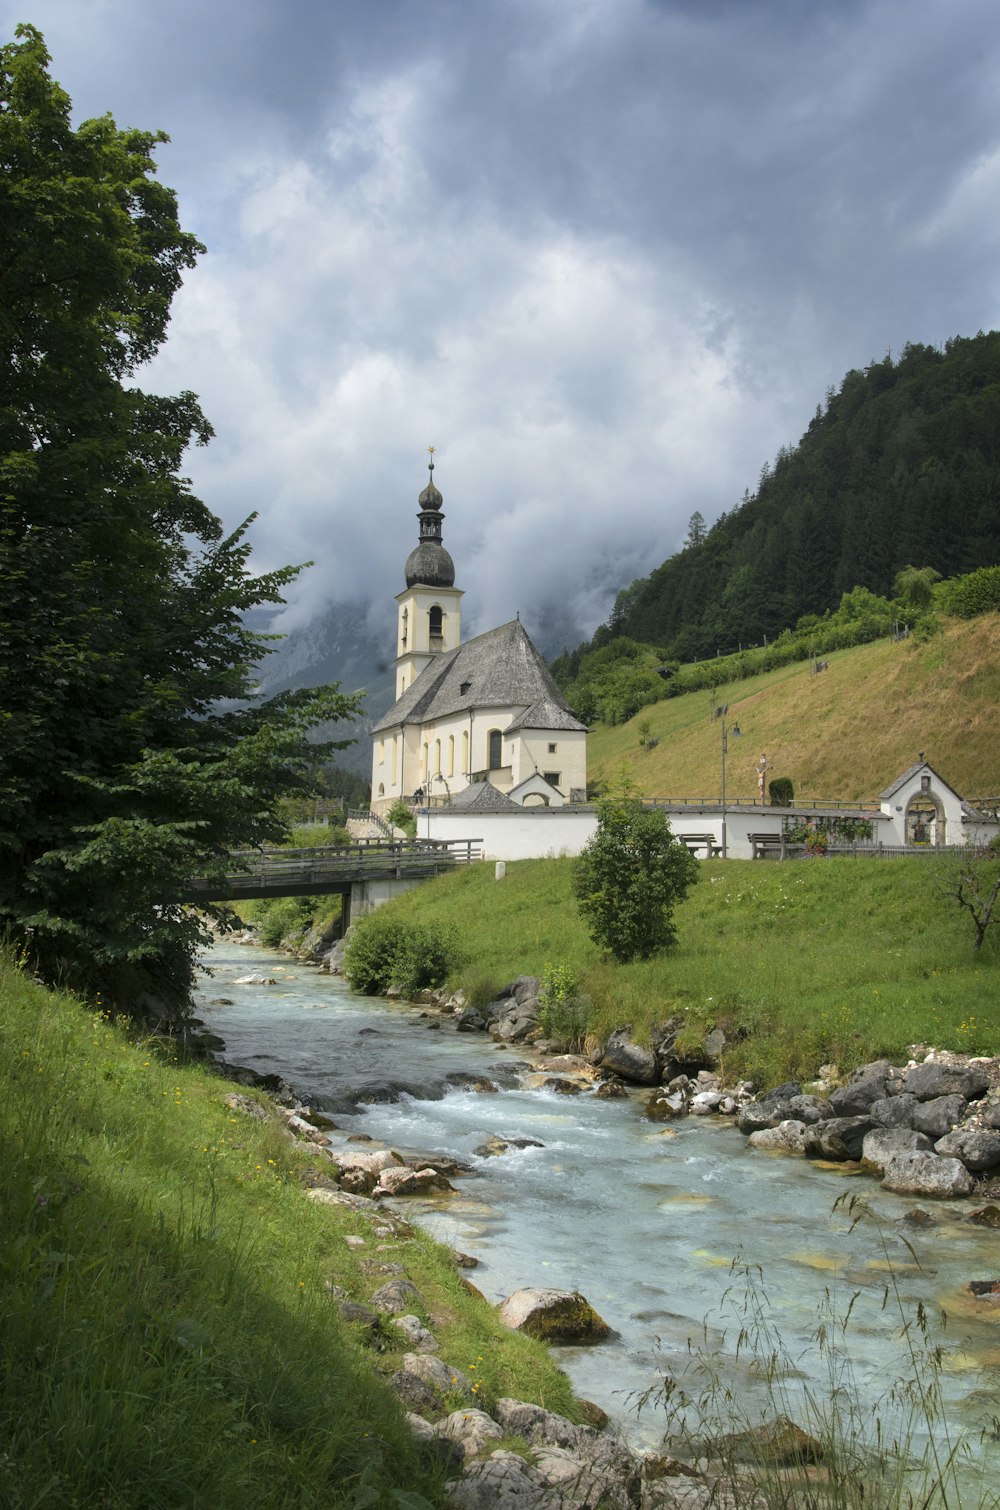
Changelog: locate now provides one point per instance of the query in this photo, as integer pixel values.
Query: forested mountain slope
(901, 467)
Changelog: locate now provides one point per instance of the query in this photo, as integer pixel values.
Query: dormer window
(464, 688)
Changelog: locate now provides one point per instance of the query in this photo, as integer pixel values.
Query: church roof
(545, 714)
(499, 669)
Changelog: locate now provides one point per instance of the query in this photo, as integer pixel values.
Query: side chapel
(486, 712)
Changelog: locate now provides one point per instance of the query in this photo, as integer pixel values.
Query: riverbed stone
(978, 1148)
(396, 1182)
(807, 1108)
(553, 1316)
(866, 1086)
(664, 1106)
(985, 1216)
(937, 1078)
(927, 1174)
(938, 1116)
(706, 1103)
(838, 1138)
(495, 1146)
(780, 1442)
(788, 1137)
(503, 1481)
(611, 1090)
(883, 1142)
(895, 1111)
(633, 1062)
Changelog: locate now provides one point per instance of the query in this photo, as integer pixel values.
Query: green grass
(167, 1334)
(801, 963)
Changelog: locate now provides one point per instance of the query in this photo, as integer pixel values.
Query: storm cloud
(605, 255)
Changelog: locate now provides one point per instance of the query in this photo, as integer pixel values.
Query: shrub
(629, 877)
(400, 816)
(781, 791)
(975, 593)
(383, 952)
(562, 1012)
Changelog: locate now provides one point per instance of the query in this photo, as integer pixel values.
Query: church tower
(428, 618)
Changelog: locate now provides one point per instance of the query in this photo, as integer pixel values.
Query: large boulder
(622, 1056)
(788, 1137)
(410, 1182)
(926, 1174)
(927, 1081)
(882, 1143)
(978, 1148)
(939, 1116)
(553, 1316)
(895, 1111)
(839, 1138)
(867, 1085)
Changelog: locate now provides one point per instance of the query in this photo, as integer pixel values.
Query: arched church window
(465, 752)
(437, 757)
(451, 754)
(495, 749)
(435, 624)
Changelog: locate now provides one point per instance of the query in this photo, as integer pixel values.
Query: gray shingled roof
(545, 714)
(480, 796)
(921, 765)
(499, 669)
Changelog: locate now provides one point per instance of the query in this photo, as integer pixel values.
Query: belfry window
(435, 626)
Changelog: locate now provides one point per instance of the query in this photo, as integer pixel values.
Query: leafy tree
(132, 753)
(629, 878)
(916, 585)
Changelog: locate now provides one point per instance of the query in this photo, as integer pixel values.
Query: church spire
(430, 564)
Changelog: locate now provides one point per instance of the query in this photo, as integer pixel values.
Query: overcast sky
(605, 255)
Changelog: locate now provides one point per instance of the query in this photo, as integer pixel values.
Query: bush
(975, 593)
(629, 878)
(383, 953)
(400, 816)
(781, 791)
(562, 1012)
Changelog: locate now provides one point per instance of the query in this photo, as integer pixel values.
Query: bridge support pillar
(365, 896)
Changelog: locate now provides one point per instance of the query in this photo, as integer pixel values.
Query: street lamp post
(437, 776)
(720, 714)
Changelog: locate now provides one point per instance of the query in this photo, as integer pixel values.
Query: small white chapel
(479, 725)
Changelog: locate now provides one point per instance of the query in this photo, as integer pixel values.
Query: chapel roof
(498, 669)
(919, 767)
(482, 796)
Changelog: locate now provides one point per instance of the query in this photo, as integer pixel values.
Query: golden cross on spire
(430, 452)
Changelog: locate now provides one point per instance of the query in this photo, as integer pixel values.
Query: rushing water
(644, 1220)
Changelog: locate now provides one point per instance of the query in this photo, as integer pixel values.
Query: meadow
(801, 963)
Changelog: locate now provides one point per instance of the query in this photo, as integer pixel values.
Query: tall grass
(787, 1432)
(800, 963)
(167, 1333)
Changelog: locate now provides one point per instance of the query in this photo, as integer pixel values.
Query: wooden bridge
(344, 868)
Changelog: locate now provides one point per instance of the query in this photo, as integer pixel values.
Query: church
(484, 719)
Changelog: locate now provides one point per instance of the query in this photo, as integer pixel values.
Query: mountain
(901, 466)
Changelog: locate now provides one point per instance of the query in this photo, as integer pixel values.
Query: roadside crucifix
(762, 769)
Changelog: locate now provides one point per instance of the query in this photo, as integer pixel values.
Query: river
(645, 1220)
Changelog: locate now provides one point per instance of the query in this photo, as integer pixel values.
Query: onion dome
(430, 564)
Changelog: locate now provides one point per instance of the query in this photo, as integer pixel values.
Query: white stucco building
(483, 712)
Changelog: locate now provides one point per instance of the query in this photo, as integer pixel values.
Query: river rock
(985, 1216)
(621, 1056)
(895, 1111)
(396, 1298)
(939, 1116)
(788, 1137)
(576, 1483)
(611, 1090)
(664, 1105)
(470, 1020)
(503, 1481)
(560, 1086)
(808, 1109)
(978, 1149)
(543, 1428)
(553, 1316)
(866, 1086)
(437, 1375)
(471, 1430)
(256, 980)
(416, 1334)
(247, 1105)
(706, 1103)
(393, 1182)
(926, 1174)
(838, 1138)
(883, 1142)
(467, 1081)
(929, 1081)
(494, 1146)
(780, 1442)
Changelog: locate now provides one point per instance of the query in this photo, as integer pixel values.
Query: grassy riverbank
(168, 1336)
(800, 963)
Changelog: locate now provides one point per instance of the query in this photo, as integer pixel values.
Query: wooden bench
(764, 844)
(708, 842)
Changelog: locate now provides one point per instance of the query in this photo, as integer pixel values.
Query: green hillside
(845, 733)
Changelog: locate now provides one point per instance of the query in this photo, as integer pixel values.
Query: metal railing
(290, 872)
(800, 805)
